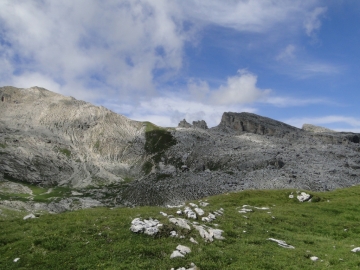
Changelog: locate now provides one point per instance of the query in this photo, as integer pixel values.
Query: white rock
(173, 234)
(206, 219)
(199, 211)
(75, 193)
(137, 221)
(149, 227)
(303, 197)
(207, 236)
(193, 205)
(262, 208)
(314, 258)
(217, 234)
(179, 212)
(180, 222)
(29, 216)
(281, 243)
(164, 214)
(176, 254)
(357, 249)
(183, 249)
(151, 230)
(16, 259)
(291, 196)
(191, 215)
(203, 204)
(192, 240)
(136, 228)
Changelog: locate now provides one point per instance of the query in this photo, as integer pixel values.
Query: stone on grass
(192, 240)
(179, 212)
(180, 222)
(207, 236)
(314, 258)
(193, 205)
(189, 213)
(281, 243)
(217, 234)
(203, 204)
(164, 214)
(176, 254)
(29, 216)
(303, 197)
(199, 211)
(357, 249)
(183, 249)
(16, 259)
(148, 226)
(173, 234)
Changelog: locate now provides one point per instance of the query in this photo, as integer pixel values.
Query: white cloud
(170, 110)
(292, 102)
(106, 45)
(336, 122)
(287, 54)
(312, 22)
(239, 89)
(249, 15)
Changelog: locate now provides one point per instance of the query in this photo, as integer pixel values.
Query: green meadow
(99, 238)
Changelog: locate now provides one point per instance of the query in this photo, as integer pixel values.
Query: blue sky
(164, 60)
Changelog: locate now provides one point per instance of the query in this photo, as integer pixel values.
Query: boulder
(149, 227)
(303, 197)
(199, 211)
(180, 222)
(176, 254)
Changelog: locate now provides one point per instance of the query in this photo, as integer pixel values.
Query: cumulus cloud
(170, 110)
(239, 89)
(93, 44)
(128, 51)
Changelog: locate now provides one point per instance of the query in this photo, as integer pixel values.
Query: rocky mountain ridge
(50, 140)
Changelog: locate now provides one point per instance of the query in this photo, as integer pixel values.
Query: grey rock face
(315, 129)
(184, 124)
(248, 122)
(200, 124)
(52, 140)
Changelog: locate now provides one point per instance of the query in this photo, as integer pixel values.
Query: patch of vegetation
(64, 151)
(157, 141)
(161, 176)
(100, 237)
(97, 145)
(2, 145)
(147, 167)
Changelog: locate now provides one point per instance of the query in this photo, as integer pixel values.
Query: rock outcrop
(50, 140)
(248, 122)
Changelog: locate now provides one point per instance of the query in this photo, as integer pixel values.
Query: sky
(295, 61)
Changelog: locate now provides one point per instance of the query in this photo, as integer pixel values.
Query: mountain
(50, 140)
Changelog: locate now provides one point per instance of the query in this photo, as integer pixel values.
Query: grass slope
(100, 238)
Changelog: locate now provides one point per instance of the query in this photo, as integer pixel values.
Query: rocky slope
(51, 140)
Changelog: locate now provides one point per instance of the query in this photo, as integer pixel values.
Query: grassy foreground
(100, 238)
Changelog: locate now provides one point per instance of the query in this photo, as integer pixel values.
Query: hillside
(321, 234)
(58, 153)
